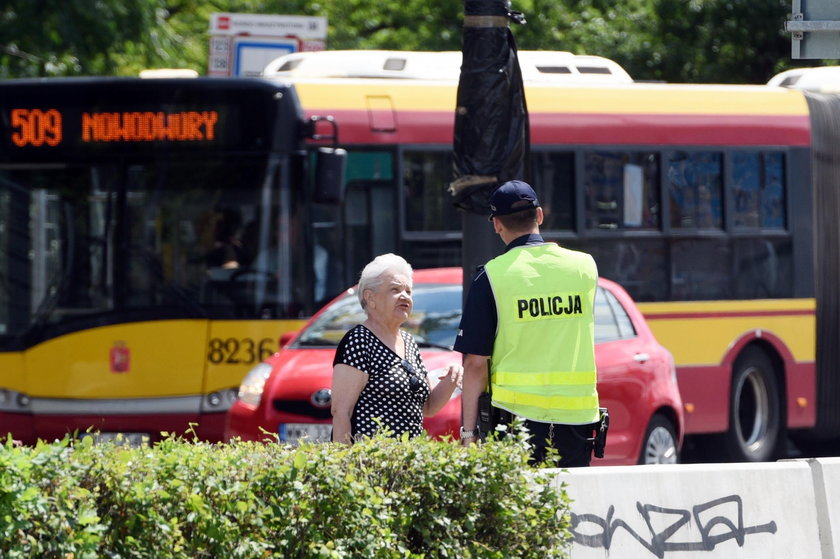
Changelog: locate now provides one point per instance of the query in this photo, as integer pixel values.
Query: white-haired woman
(379, 380)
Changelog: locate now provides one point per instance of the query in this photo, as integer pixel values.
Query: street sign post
(815, 29)
(243, 44)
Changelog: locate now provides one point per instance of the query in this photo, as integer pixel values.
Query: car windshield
(433, 321)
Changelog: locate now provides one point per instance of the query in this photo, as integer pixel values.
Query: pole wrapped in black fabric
(491, 139)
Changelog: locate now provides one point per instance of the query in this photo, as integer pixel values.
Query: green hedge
(378, 498)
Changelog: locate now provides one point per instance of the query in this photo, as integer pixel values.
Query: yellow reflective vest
(543, 362)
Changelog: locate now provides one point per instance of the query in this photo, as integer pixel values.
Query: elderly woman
(379, 379)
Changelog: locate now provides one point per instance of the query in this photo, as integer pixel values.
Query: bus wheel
(755, 410)
(660, 443)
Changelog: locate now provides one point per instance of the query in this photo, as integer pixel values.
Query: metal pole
(491, 139)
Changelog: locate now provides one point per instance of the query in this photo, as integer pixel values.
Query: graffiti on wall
(666, 529)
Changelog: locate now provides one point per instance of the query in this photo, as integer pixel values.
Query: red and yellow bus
(153, 246)
(712, 205)
(158, 236)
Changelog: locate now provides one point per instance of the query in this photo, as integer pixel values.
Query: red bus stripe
(422, 127)
(724, 314)
(678, 129)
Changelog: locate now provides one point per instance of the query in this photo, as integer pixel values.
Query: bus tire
(756, 416)
(660, 443)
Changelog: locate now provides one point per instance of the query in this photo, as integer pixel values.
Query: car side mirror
(285, 338)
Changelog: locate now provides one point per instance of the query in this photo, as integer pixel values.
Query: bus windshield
(128, 201)
(184, 239)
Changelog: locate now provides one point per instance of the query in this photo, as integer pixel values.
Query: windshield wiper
(317, 341)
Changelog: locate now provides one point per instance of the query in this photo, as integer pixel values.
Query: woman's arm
(347, 384)
(443, 391)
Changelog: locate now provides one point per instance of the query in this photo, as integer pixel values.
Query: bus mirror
(329, 175)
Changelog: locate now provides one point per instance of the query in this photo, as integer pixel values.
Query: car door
(623, 369)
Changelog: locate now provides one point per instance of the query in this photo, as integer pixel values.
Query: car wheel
(755, 410)
(660, 443)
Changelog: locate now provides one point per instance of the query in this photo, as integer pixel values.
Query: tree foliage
(59, 38)
(668, 40)
(664, 40)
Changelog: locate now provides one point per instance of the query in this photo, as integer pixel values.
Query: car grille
(299, 407)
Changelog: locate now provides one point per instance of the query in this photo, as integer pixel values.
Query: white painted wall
(788, 509)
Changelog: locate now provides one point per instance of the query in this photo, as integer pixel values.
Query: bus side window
(695, 186)
(553, 174)
(621, 190)
(759, 189)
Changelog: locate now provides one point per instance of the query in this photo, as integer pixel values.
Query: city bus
(157, 237)
(155, 241)
(713, 205)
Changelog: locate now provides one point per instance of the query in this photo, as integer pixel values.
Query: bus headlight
(219, 401)
(251, 389)
(12, 401)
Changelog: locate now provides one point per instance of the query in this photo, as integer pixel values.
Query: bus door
(366, 225)
(369, 227)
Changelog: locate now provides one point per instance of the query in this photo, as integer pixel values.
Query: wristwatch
(468, 434)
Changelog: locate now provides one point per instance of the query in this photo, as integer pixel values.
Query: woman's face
(391, 300)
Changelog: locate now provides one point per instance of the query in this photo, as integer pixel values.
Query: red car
(289, 393)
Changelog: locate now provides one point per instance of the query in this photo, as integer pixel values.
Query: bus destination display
(45, 127)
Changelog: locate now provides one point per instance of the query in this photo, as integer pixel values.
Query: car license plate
(120, 439)
(311, 432)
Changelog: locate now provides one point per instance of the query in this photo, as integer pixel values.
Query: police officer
(529, 318)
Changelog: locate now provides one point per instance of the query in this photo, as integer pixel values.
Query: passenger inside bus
(227, 250)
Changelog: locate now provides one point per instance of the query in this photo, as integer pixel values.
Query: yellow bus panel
(700, 333)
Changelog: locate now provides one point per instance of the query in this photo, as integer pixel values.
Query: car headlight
(251, 389)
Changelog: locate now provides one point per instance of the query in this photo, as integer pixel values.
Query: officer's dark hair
(519, 221)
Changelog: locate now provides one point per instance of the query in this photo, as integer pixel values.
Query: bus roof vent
(290, 65)
(554, 69)
(537, 66)
(820, 79)
(593, 70)
(394, 64)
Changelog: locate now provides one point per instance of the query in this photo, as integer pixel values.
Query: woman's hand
(454, 376)
(442, 392)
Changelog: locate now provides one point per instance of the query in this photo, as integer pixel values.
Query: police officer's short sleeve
(478, 323)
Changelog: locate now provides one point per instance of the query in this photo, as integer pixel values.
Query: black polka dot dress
(388, 398)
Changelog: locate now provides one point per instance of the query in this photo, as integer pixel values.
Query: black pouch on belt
(486, 423)
(601, 433)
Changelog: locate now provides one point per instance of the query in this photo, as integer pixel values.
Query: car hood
(294, 370)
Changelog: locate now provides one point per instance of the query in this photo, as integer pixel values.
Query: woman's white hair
(371, 277)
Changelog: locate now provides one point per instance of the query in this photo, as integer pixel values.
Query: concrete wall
(788, 509)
